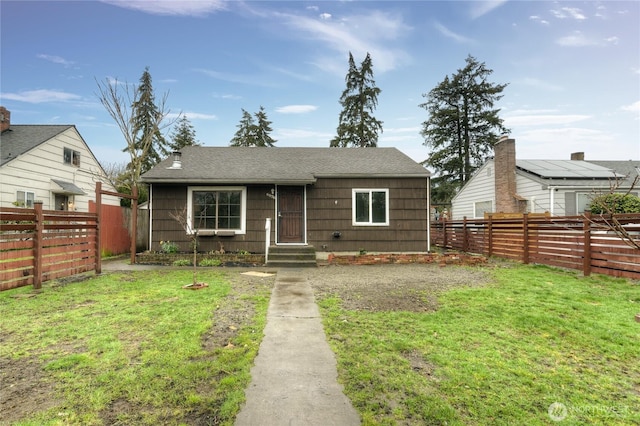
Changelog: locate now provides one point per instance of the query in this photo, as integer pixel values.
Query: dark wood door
(291, 214)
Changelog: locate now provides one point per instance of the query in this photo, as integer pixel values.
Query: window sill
(219, 233)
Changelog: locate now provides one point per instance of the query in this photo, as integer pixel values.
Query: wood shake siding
(329, 210)
(168, 199)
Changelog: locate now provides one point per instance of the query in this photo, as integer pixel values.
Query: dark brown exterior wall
(328, 211)
(168, 199)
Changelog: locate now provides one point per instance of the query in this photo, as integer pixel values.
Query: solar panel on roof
(565, 169)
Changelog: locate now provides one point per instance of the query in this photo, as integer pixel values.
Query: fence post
(134, 223)
(37, 245)
(98, 227)
(465, 238)
(444, 232)
(525, 238)
(490, 229)
(586, 259)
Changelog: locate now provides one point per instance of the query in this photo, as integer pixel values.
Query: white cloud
(540, 84)
(577, 39)
(538, 19)
(195, 116)
(568, 12)
(56, 59)
(296, 109)
(171, 8)
(450, 34)
(529, 120)
(634, 107)
(480, 8)
(325, 16)
(612, 40)
(374, 33)
(41, 96)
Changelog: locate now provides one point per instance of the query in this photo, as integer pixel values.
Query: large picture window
(217, 208)
(371, 207)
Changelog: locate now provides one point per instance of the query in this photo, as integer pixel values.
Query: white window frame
(475, 208)
(206, 231)
(370, 191)
(26, 198)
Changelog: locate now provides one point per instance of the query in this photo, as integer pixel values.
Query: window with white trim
(217, 208)
(482, 207)
(370, 207)
(25, 199)
(71, 157)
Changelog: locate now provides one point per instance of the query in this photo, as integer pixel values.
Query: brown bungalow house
(331, 199)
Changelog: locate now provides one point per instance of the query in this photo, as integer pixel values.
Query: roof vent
(177, 160)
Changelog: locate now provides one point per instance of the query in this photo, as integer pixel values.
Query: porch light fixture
(337, 234)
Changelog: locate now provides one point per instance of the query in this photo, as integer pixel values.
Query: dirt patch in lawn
(408, 287)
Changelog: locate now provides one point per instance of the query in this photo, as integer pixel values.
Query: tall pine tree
(357, 126)
(253, 132)
(462, 126)
(183, 135)
(145, 118)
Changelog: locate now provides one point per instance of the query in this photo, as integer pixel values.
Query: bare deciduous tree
(119, 98)
(606, 211)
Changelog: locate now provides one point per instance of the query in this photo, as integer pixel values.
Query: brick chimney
(577, 156)
(505, 179)
(5, 119)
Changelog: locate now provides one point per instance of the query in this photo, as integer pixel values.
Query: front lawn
(130, 348)
(535, 346)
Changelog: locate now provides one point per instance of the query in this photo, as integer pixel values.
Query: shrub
(182, 262)
(210, 262)
(168, 247)
(615, 203)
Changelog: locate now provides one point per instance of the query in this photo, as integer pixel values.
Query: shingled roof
(22, 138)
(246, 165)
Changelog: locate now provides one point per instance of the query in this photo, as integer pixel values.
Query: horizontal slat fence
(38, 245)
(586, 243)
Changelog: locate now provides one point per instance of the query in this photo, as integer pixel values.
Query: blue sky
(573, 68)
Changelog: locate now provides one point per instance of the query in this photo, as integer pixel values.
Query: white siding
(480, 188)
(537, 198)
(34, 170)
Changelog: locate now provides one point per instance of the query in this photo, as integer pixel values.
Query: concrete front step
(292, 256)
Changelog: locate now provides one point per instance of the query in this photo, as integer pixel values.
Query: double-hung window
(25, 199)
(217, 208)
(370, 207)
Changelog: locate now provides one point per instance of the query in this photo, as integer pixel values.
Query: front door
(291, 214)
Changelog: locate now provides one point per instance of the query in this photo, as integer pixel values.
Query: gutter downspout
(150, 208)
(552, 200)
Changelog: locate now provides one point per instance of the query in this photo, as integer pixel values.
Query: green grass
(134, 341)
(499, 354)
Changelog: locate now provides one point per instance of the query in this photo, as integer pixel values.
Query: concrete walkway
(293, 381)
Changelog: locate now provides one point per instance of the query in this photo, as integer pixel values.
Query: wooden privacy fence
(585, 242)
(37, 245)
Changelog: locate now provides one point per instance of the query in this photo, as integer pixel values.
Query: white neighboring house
(560, 187)
(49, 163)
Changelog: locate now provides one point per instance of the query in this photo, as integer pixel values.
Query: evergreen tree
(262, 129)
(462, 125)
(252, 133)
(183, 135)
(357, 126)
(244, 136)
(145, 113)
